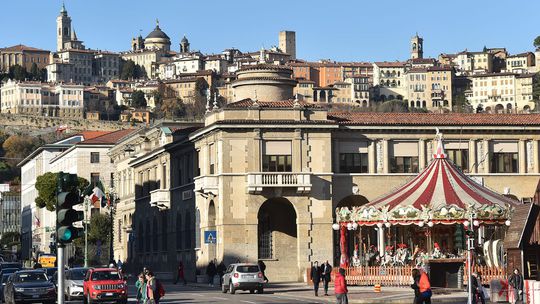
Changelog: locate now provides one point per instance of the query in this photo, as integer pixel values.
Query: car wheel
(252, 291)
(231, 288)
(121, 302)
(68, 296)
(260, 290)
(223, 288)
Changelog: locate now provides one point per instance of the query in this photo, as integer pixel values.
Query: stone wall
(17, 122)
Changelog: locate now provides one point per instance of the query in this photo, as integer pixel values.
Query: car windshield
(105, 275)
(5, 277)
(30, 277)
(247, 268)
(78, 274)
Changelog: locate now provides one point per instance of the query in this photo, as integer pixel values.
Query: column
(256, 155)
(385, 156)
(380, 240)
(372, 159)
(473, 161)
(522, 156)
(486, 156)
(421, 154)
(535, 158)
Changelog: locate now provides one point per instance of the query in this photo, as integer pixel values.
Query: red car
(104, 285)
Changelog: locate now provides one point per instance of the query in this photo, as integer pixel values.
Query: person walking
(262, 268)
(326, 275)
(141, 289)
(478, 292)
(180, 274)
(416, 280)
(152, 288)
(340, 287)
(316, 277)
(211, 273)
(516, 281)
(221, 271)
(424, 288)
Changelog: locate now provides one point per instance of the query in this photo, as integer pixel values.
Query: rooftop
(108, 138)
(22, 48)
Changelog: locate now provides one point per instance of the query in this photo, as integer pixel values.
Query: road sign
(210, 237)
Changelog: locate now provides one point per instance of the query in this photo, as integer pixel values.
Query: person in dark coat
(211, 272)
(316, 277)
(326, 275)
(221, 271)
(516, 281)
(180, 276)
(262, 267)
(478, 293)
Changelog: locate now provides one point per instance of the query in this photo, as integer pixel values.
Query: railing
(371, 275)
(206, 184)
(160, 198)
(258, 181)
(487, 274)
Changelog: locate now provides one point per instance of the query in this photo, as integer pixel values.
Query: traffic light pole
(60, 262)
(86, 232)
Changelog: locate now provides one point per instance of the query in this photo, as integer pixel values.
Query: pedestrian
(478, 292)
(516, 281)
(221, 271)
(141, 289)
(316, 277)
(326, 270)
(145, 270)
(340, 287)
(152, 288)
(119, 264)
(180, 273)
(262, 268)
(211, 272)
(414, 285)
(424, 289)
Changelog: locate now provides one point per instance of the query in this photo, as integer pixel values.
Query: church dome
(157, 33)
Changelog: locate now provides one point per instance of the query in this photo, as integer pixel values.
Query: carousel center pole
(470, 246)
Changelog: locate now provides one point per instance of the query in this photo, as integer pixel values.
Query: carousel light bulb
(387, 224)
(476, 223)
(349, 226)
(335, 226)
(420, 224)
(430, 224)
(507, 223)
(466, 223)
(379, 225)
(355, 226)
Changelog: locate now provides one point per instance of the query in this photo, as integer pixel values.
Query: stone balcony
(206, 185)
(260, 180)
(160, 198)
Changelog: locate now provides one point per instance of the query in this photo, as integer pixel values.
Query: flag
(98, 194)
(37, 222)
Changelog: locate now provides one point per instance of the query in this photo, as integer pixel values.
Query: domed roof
(157, 33)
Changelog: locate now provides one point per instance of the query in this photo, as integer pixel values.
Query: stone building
(23, 55)
(263, 82)
(287, 43)
(390, 79)
(10, 212)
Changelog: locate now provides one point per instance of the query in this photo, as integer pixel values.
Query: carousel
(426, 223)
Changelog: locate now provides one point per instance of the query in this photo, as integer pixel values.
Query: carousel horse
(372, 255)
(388, 258)
(356, 260)
(402, 256)
(436, 251)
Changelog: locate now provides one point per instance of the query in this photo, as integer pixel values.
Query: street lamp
(471, 223)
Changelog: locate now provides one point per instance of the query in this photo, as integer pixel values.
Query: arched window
(265, 237)
(424, 103)
(179, 230)
(412, 104)
(66, 31)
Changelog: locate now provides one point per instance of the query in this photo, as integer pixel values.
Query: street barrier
(499, 290)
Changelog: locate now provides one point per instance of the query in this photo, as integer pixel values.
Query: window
(404, 164)
(111, 183)
(94, 157)
(460, 158)
(265, 238)
(187, 232)
(155, 235)
(164, 233)
(353, 163)
(504, 163)
(179, 230)
(277, 156)
(212, 157)
(94, 179)
(119, 231)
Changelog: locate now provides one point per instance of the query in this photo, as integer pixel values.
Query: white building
(390, 77)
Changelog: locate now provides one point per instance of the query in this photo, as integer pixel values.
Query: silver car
(73, 288)
(243, 277)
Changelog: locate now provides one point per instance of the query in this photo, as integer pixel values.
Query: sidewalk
(358, 294)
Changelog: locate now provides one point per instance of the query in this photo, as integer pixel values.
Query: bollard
(377, 288)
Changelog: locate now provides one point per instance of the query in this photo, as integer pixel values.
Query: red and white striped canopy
(441, 193)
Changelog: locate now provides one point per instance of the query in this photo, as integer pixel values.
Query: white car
(74, 283)
(243, 277)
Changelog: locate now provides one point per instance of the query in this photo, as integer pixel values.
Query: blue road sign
(210, 237)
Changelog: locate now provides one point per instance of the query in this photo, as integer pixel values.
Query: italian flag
(96, 193)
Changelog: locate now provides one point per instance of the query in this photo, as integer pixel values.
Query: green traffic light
(66, 235)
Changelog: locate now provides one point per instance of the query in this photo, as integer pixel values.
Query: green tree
(99, 228)
(46, 186)
(536, 42)
(35, 73)
(128, 70)
(461, 104)
(394, 106)
(10, 239)
(138, 100)
(17, 147)
(18, 72)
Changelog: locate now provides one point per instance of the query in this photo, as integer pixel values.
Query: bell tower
(417, 47)
(63, 29)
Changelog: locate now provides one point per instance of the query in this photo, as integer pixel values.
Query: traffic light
(67, 196)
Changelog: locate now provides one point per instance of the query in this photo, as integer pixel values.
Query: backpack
(160, 289)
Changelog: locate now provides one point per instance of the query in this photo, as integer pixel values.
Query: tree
(128, 70)
(461, 104)
(99, 228)
(35, 73)
(17, 147)
(171, 108)
(536, 42)
(17, 72)
(10, 239)
(46, 186)
(394, 106)
(138, 100)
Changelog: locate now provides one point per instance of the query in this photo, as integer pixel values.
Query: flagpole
(86, 232)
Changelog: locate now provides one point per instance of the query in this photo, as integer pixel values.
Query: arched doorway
(499, 109)
(277, 239)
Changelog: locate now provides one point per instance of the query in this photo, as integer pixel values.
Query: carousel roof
(441, 193)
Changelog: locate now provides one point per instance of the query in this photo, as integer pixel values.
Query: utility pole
(86, 232)
(470, 247)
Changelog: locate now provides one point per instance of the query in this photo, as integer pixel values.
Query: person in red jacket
(340, 287)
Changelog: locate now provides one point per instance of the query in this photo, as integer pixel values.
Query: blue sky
(355, 30)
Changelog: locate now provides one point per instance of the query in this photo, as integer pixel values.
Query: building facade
(10, 213)
(24, 56)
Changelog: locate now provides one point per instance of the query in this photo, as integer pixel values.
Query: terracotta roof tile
(247, 103)
(92, 134)
(108, 138)
(21, 48)
(433, 119)
(386, 64)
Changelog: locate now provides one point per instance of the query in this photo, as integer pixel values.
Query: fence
(487, 273)
(371, 275)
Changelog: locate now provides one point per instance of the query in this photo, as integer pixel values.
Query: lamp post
(470, 245)
(86, 204)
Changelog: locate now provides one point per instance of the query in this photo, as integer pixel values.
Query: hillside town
(181, 161)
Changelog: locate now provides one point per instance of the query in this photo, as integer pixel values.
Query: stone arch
(211, 215)
(364, 103)
(277, 234)
(383, 98)
(423, 104)
(499, 108)
(418, 104)
(391, 97)
(412, 104)
(509, 107)
(526, 109)
(488, 109)
(323, 96)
